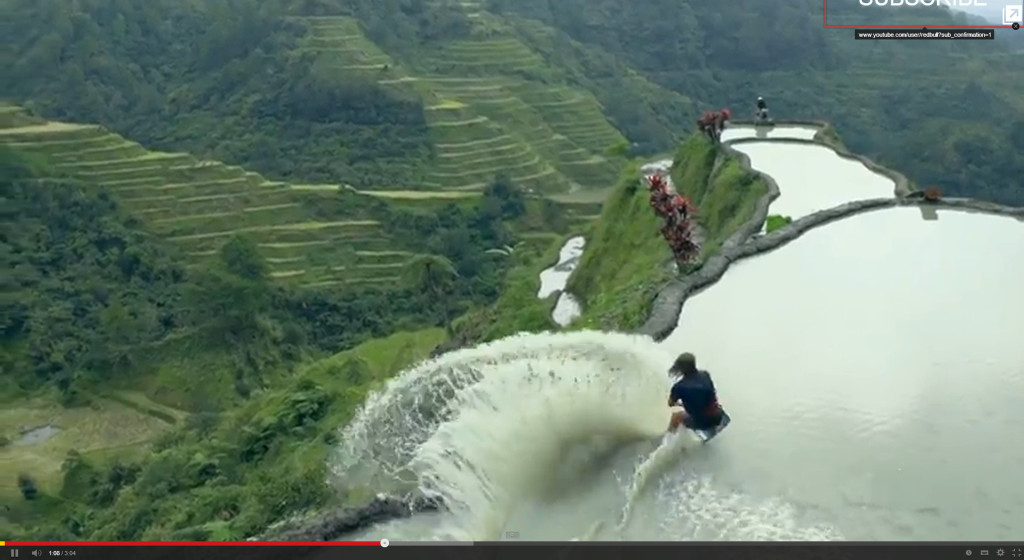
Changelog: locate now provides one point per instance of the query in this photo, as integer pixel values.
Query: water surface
(776, 132)
(555, 278)
(37, 435)
(813, 177)
(874, 371)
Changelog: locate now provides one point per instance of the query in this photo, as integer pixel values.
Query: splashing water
(672, 446)
(540, 435)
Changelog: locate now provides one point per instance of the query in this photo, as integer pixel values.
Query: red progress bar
(192, 543)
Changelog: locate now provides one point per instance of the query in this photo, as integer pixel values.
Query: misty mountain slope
(888, 97)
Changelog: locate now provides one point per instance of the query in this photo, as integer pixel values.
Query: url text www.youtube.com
(924, 34)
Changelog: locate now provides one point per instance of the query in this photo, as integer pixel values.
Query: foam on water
(536, 433)
(654, 464)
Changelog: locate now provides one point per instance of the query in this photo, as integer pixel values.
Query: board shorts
(702, 424)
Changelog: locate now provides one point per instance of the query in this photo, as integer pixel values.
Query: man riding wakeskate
(696, 393)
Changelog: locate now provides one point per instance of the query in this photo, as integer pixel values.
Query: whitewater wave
(547, 436)
(484, 428)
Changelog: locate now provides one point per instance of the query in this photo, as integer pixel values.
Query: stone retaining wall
(331, 526)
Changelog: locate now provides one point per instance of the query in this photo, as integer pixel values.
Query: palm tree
(434, 275)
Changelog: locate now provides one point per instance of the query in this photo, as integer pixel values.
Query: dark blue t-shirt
(697, 392)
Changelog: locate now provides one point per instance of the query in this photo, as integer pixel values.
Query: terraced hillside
(494, 106)
(199, 205)
(12, 116)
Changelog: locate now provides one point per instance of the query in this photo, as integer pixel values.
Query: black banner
(924, 34)
(531, 551)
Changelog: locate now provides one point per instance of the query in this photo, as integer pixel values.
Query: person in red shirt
(721, 118)
(706, 123)
(680, 206)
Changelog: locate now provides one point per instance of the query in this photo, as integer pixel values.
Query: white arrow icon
(1012, 14)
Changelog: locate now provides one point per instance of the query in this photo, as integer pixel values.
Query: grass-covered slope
(627, 261)
(486, 115)
(313, 235)
(947, 114)
(144, 399)
(517, 309)
(724, 192)
(399, 96)
(216, 477)
(106, 429)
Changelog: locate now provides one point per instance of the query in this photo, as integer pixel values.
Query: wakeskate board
(708, 435)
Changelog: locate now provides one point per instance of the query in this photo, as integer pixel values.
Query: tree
(511, 202)
(229, 304)
(434, 275)
(242, 258)
(28, 488)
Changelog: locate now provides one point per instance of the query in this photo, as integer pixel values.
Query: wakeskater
(695, 392)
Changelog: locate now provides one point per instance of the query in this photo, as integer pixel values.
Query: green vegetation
(948, 115)
(314, 236)
(310, 235)
(94, 299)
(150, 370)
(317, 194)
(435, 95)
(775, 221)
(725, 194)
(218, 476)
(357, 92)
(228, 81)
(517, 309)
(627, 261)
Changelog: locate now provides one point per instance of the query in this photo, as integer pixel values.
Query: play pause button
(14, 553)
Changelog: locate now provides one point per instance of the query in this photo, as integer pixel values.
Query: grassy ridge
(725, 194)
(627, 261)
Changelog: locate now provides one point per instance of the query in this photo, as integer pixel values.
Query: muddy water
(874, 371)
